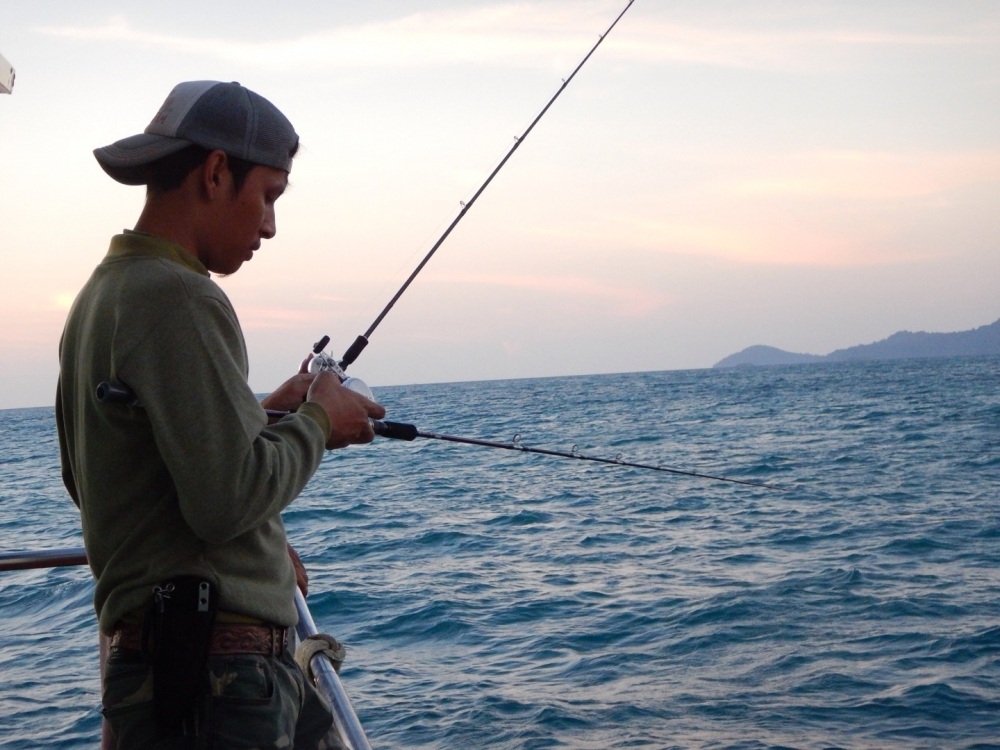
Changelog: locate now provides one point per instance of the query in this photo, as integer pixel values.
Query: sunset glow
(808, 175)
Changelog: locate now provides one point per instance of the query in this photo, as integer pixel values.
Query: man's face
(244, 218)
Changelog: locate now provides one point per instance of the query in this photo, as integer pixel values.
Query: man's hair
(169, 173)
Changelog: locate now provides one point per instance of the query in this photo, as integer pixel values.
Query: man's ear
(215, 174)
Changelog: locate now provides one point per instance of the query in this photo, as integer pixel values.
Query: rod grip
(395, 430)
(353, 351)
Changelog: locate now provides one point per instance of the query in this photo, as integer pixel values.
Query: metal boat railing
(346, 723)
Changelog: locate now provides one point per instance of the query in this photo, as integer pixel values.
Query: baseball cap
(210, 114)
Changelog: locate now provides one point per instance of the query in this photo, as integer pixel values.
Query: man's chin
(223, 273)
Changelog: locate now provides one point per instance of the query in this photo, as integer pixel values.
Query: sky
(804, 174)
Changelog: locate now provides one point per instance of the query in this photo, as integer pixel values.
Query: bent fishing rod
(402, 431)
(324, 362)
(110, 392)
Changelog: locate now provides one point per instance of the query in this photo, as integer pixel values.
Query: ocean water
(491, 598)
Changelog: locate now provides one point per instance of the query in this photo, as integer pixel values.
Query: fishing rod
(403, 431)
(322, 361)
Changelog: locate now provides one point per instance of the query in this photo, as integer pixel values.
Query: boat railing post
(328, 682)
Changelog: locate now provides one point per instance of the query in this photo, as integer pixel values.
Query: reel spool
(323, 362)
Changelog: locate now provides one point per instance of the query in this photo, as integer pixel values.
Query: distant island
(984, 340)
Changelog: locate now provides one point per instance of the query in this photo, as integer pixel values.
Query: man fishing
(180, 492)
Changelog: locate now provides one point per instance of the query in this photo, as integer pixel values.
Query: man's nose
(268, 228)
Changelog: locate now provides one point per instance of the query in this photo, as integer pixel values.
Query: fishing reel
(323, 362)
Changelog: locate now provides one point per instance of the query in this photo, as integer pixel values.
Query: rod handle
(395, 430)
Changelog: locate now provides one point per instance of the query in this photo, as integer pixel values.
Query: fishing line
(361, 341)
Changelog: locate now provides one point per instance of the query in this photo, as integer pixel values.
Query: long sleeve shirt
(193, 480)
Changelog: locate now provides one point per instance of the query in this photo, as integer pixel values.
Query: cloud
(626, 301)
(523, 34)
(867, 175)
(533, 34)
(825, 208)
(798, 40)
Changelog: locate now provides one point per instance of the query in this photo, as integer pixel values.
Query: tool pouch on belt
(178, 629)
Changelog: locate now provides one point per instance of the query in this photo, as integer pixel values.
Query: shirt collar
(132, 244)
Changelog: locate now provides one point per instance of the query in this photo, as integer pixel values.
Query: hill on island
(984, 340)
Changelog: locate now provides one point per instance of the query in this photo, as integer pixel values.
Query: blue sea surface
(493, 598)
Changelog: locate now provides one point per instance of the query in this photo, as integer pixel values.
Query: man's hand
(289, 395)
(349, 412)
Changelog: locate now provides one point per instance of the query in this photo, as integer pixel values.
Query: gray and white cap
(212, 115)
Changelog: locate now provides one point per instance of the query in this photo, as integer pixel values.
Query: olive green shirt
(193, 480)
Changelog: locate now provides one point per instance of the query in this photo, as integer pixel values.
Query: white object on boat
(6, 76)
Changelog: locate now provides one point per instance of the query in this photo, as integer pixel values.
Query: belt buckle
(279, 640)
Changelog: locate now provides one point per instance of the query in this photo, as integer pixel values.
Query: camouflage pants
(254, 702)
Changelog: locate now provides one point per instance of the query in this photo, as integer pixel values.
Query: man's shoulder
(157, 278)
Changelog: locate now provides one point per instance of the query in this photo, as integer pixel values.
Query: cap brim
(124, 160)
